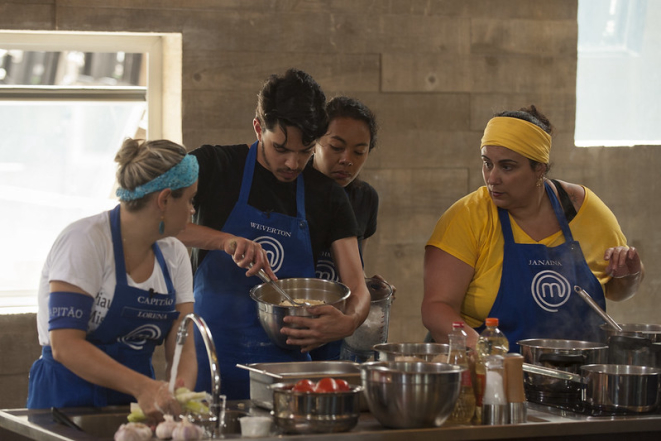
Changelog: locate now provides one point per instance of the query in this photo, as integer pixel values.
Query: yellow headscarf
(520, 136)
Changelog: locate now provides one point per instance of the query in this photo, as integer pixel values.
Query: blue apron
(222, 289)
(137, 321)
(535, 299)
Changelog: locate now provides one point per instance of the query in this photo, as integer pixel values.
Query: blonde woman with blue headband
(117, 284)
(515, 248)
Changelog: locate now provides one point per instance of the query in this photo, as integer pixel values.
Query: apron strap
(164, 268)
(248, 172)
(118, 248)
(559, 213)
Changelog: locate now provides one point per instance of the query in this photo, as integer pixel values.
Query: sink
(97, 424)
(104, 423)
(101, 425)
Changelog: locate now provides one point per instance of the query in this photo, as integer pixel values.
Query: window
(618, 79)
(66, 103)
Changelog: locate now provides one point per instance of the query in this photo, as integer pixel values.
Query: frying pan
(612, 387)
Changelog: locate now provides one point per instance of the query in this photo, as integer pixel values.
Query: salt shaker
(494, 401)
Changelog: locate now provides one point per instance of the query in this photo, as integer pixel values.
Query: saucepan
(637, 343)
(612, 387)
(564, 355)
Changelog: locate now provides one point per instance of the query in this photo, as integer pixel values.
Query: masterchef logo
(326, 270)
(137, 338)
(550, 290)
(274, 251)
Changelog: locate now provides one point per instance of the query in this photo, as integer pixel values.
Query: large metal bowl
(271, 312)
(437, 352)
(405, 395)
(315, 412)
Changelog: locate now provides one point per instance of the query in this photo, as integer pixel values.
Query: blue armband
(69, 310)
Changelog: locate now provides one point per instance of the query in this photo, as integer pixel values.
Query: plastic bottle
(464, 409)
(491, 342)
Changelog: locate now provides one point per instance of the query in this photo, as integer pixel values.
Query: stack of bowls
(271, 312)
(405, 395)
(315, 412)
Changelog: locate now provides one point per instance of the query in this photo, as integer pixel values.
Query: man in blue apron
(261, 205)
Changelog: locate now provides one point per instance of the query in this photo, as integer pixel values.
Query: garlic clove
(133, 432)
(186, 430)
(166, 427)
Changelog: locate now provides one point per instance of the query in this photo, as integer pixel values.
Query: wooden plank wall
(433, 71)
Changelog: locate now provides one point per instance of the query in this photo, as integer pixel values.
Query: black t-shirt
(328, 211)
(365, 203)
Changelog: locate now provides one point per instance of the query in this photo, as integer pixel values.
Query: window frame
(164, 71)
(163, 55)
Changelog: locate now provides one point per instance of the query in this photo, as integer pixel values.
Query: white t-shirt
(83, 256)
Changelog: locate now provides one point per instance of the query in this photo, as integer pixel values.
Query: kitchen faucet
(217, 402)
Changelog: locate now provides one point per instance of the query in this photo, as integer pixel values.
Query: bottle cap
(457, 324)
(491, 321)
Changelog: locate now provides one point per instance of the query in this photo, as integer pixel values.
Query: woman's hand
(379, 277)
(626, 271)
(623, 261)
(248, 254)
(155, 400)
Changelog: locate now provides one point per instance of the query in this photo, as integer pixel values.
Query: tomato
(326, 385)
(304, 386)
(342, 385)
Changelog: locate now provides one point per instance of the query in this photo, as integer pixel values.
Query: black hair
(345, 107)
(294, 99)
(533, 116)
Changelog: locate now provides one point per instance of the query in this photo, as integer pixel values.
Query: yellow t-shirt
(470, 231)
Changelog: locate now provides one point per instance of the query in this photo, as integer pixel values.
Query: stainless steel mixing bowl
(271, 313)
(315, 412)
(412, 351)
(405, 395)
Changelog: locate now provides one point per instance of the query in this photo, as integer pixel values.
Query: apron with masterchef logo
(137, 321)
(536, 298)
(222, 290)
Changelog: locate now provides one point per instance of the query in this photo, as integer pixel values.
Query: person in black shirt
(341, 154)
(261, 205)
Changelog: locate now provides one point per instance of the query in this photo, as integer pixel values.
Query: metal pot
(612, 387)
(636, 344)
(562, 355)
(651, 332)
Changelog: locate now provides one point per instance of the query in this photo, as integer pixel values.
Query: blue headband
(181, 175)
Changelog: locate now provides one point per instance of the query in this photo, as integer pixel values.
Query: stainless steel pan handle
(590, 301)
(554, 373)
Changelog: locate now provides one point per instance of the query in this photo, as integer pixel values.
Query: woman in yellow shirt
(516, 247)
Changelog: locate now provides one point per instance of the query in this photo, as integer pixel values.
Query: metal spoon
(262, 275)
(590, 301)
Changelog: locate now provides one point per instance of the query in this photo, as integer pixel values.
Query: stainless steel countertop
(542, 422)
